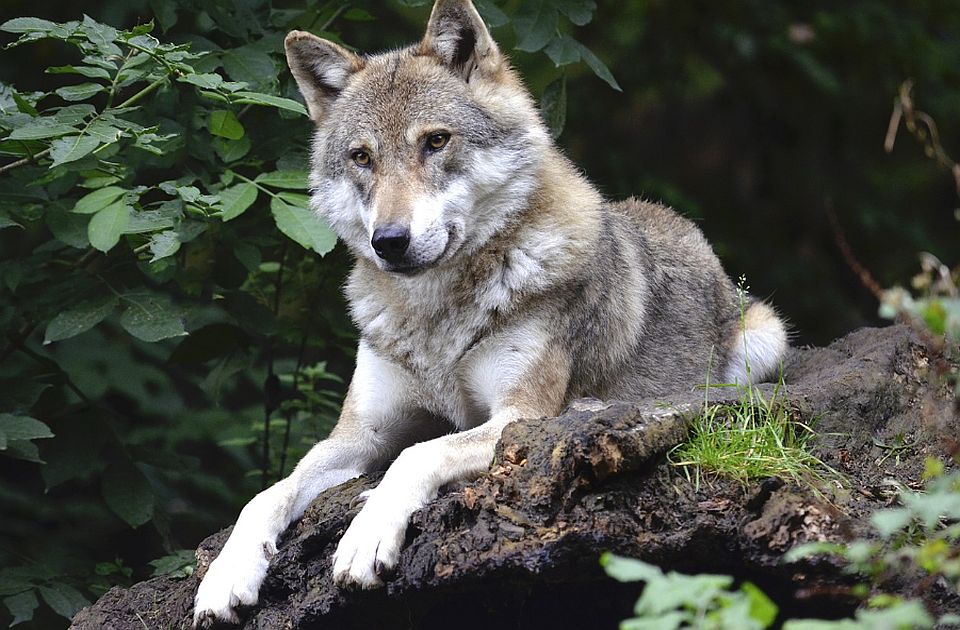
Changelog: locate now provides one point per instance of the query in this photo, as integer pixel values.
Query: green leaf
(161, 218)
(79, 92)
(18, 395)
(224, 123)
(164, 244)
(6, 222)
(491, 13)
(563, 50)
(23, 105)
(256, 98)
(68, 228)
(79, 318)
(21, 428)
(284, 179)
(41, 128)
(71, 148)
(104, 132)
(74, 454)
(91, 72)
(209, 81)
(358, 15)
(535, 24)
(128, 493)
(762, 608)
(891, 520)
(97, 200)
(166, 13)
(108, 225)
(580, 12)
(28, 25)
(235, 200)
(152, 317)
(21, 606)
(599, 68)
(553, 106)
(65, 600)
(249, 64)
(25, 450)
(179, 564)
(100, 35)
(303, 225)
(628, 569)
(231, 150)
(190, 194)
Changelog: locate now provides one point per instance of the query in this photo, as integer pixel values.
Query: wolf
(492, 282)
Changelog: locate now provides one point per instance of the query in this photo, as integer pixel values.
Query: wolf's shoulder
(655, 220)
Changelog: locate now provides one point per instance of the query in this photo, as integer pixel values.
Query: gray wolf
(492, 282)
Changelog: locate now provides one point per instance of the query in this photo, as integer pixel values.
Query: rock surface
(518, 548)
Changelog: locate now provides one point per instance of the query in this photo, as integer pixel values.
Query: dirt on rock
(518, 548)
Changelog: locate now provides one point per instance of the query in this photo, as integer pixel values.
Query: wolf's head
(423, 153)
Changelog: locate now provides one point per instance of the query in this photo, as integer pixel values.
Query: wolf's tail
(757, 346)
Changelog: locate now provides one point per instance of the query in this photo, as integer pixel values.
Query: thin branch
(16, 341)
(23, 161)
(271, 386)
(22, 347)
(288, 416)
(866, 278)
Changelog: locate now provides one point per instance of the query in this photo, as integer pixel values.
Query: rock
(519, 546)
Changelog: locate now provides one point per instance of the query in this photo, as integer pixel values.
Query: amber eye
(437, 141)
(361, 158)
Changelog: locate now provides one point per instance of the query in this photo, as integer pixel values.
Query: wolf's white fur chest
(454, 343)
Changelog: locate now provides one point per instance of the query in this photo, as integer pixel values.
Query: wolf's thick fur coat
(515, 287)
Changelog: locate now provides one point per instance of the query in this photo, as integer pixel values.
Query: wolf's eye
(360, 158)
(437, 141)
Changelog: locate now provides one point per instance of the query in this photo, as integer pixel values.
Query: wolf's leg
(377, 421)
(760, 342)
(524, 383)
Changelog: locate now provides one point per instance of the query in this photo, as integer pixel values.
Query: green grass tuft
(752, 439)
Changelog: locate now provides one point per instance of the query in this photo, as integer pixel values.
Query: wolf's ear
(321, 69)
(457, 35)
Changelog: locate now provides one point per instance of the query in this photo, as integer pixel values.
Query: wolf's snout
(391, 242)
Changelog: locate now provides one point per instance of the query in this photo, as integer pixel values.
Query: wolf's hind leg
(757, 345)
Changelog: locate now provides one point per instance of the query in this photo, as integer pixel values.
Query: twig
(272, 386)
(288, 416)
(16, 341)
(866, 278)
(922, 126)
(23, 161)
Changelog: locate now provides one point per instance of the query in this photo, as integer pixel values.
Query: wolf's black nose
(391, 242)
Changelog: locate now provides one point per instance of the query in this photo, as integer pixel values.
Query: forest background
(173, 331)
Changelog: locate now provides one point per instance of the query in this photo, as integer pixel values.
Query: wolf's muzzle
(391, 242)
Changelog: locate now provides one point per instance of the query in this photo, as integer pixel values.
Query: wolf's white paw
(371, 545)
(233, 579)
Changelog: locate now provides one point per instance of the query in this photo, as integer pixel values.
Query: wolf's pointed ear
(457, 35)
(321, 69)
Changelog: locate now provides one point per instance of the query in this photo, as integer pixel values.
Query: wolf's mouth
(454, 240)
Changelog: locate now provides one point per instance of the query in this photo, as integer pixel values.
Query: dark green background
(751, 117)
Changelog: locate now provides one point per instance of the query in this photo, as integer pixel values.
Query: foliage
(674, 600)
(170, 301)
(922, 534)
(935, 309)
(745, 116)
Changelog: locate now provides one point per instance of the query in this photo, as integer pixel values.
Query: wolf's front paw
(233, 579)
(371, 545)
